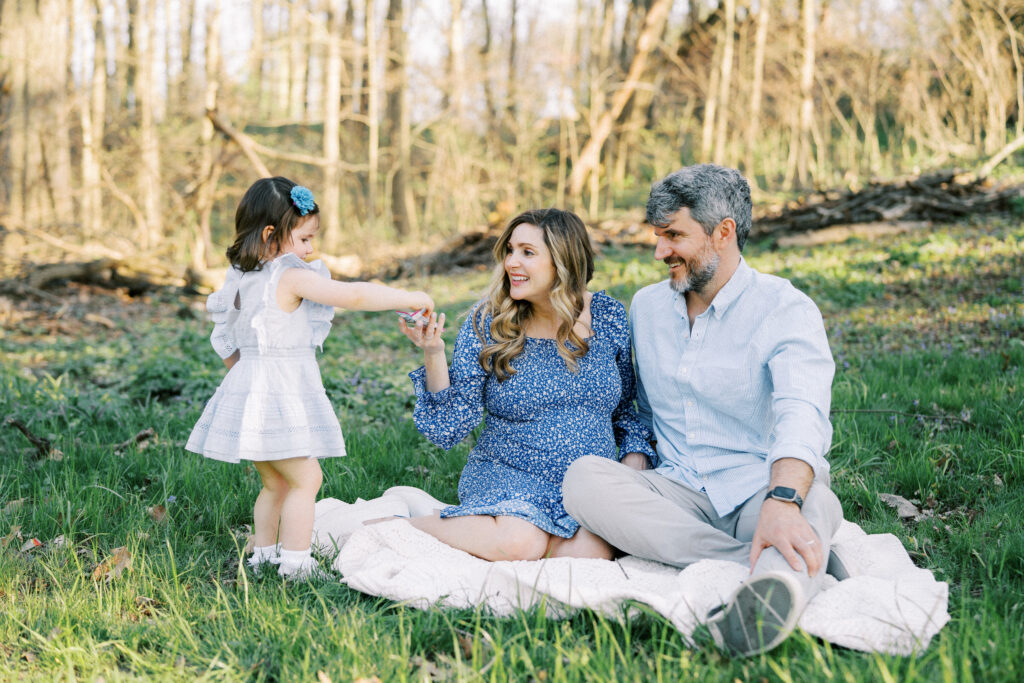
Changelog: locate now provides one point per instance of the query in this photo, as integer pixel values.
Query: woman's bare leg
(581, 544)
(490, 538)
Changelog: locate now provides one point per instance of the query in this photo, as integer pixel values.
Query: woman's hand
(426, 335)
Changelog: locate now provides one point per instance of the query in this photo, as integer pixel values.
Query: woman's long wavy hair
(566, 238)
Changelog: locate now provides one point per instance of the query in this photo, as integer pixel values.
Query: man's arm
(782, 525)
(802, 369)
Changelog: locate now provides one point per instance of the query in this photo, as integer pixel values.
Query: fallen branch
(43, 446)
(882, 411)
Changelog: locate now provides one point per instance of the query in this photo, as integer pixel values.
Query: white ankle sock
(292, 561)
(264, 553)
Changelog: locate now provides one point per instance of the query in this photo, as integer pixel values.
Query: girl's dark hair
(267, 202)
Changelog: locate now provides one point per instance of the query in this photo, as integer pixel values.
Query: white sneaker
(335, 520)
(761, 614)
(421, 503)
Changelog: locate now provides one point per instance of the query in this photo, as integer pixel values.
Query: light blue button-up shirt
(750, 383)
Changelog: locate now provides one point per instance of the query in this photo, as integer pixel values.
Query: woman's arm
(428, 336)
(447, 415)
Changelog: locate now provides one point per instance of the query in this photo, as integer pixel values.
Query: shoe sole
(758, 617)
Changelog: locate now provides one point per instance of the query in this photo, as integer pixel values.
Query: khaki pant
(651, 516)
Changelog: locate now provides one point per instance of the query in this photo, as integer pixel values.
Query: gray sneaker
(761, 613)
(836, 566)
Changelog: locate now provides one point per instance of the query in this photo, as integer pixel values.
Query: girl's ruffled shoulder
(286, 261)
(221, 307)
(223, 299)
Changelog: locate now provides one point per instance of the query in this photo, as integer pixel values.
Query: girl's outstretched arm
(230, 361)
(297, 284)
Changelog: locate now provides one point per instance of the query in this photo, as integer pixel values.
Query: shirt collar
(729, 292)
(732, 289)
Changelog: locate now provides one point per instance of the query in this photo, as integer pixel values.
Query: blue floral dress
(538, 421)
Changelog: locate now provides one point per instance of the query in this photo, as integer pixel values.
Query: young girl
(271, 408)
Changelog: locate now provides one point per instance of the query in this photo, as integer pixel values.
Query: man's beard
(699, 272)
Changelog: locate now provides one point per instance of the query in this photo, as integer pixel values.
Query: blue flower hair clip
(302, 198)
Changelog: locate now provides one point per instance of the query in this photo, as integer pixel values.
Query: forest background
(130, 128)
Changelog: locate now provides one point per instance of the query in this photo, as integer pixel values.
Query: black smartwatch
(785, 494)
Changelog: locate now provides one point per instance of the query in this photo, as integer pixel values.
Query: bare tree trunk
(93, 111)
(127, 59)
(485, 62)
(1018, 68)
(329, 210)
(513, 42)
(297, 48)
(654, 25)
(372, 112)
(209, 169)
(808, 15)
(149, 172)
(186, 9)
(14, 109)
(257, 54)
(403, 208)
(457, 62)
(754, 122)
(52, 82)
(725, 83)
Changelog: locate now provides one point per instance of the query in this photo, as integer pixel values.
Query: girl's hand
(426, 335)
(422, 301)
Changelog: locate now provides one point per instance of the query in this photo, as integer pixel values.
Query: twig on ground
(924, 416)
(43, 446)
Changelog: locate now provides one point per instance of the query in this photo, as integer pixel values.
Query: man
(734, 377)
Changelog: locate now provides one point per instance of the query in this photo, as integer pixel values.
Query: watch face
(784, 493)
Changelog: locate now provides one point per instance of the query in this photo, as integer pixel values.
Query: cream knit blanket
(887, 605)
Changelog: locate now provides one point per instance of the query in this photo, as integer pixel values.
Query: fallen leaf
(372, 679)
(321, 677)
(157, 513)
(113, 566)
(59, 542)
(31, 544)
(99, 320)
(147, 606)
(13, 505)
(904, 508)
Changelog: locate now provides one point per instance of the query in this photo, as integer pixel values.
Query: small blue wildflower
(302, 198)
(171, 499)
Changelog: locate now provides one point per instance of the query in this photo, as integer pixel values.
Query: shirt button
(689, 403)
(690, 435)
(683, 371)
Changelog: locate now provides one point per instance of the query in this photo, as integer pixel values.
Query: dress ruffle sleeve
(631, 435)
(446, 417)
(221, 307)
(320, 315)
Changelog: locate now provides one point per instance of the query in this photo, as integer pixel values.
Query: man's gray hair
(712, 193)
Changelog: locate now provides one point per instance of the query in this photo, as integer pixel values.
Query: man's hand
(638, 461)
(782, 525)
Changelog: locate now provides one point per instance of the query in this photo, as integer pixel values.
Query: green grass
(928, 403)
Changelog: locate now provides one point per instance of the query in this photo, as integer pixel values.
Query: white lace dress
(271, 405)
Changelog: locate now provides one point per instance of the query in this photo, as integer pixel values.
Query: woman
(550, 365)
